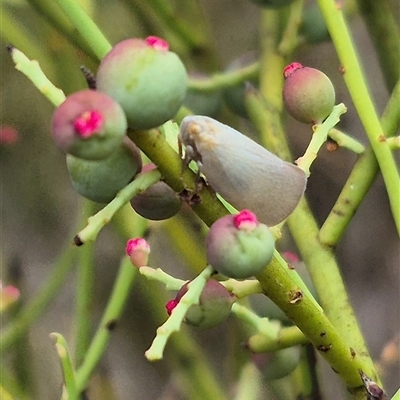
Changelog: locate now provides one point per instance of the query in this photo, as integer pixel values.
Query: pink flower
(138, 250)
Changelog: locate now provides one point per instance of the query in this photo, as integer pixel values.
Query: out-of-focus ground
(38, 211)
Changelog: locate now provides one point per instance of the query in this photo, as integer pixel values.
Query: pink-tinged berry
(238, 246)
(138, 250)
(214, 305)
(158, 202)
(101, 180)
(147, 79)
(308, 94)
(8, 296)
(89, 124)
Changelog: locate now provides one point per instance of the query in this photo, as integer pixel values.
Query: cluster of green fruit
(140, 84)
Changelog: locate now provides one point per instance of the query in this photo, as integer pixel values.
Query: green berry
(308, 94)
(238, 246)
(158, 202)
(148, 81)
(278, 364)
(214, 305)
(89, 125)
(313, 27)
(101, 180)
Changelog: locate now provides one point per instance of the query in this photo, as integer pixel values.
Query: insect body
(241, 171)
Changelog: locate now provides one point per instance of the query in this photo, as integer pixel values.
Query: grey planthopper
(244, 173)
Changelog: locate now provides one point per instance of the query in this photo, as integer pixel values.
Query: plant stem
(29, 314)
(226, 79)
(360, 180)
(361, 97)
(96, 222)
(54, 15)
(66, 365)
(86, 27)
(84, 295)
(384, 31)
(112, 313)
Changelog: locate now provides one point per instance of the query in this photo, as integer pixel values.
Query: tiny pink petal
(89, 123)
(171, 305)
(245, 220)
(157, 43)
(289, 69)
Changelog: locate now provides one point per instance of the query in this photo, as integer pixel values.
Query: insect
(241, 171)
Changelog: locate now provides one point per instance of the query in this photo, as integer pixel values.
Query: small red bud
(157, 43)
(88, 123)
(138, 250)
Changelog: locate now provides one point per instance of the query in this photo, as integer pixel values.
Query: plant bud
(89, 125)
(101, 180)
(8, 296)
(273, 3)
(238, 246)
(214, 305)
(308, 94)
(157, 202)
(138, 251)
(148, 81)
(278, 364)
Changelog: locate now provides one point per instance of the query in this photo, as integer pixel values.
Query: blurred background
(39, 206)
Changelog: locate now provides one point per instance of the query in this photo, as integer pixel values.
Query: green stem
(16, 328)
(84, 295)
(31, 69)
(226, 79)
(155, 146)
(86, 27)
(96, 222)
(173, 323)
(112, 313)
(249, 384)
(384, 31)
(346, 141)
(51, 11)
(300, 308)
(360, 180)
(66, 365)
(361, 97)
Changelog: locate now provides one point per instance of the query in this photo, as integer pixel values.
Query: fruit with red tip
(101, 180)
(89, 124)
(238, 246)
(147, 79)
(308, 94)
(214, 305)
(157, 202)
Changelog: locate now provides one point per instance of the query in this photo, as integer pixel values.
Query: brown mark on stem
(324, 348)
(110, 325)
(382, 138)
(78, 241)
(352, 352)
(295, 296)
